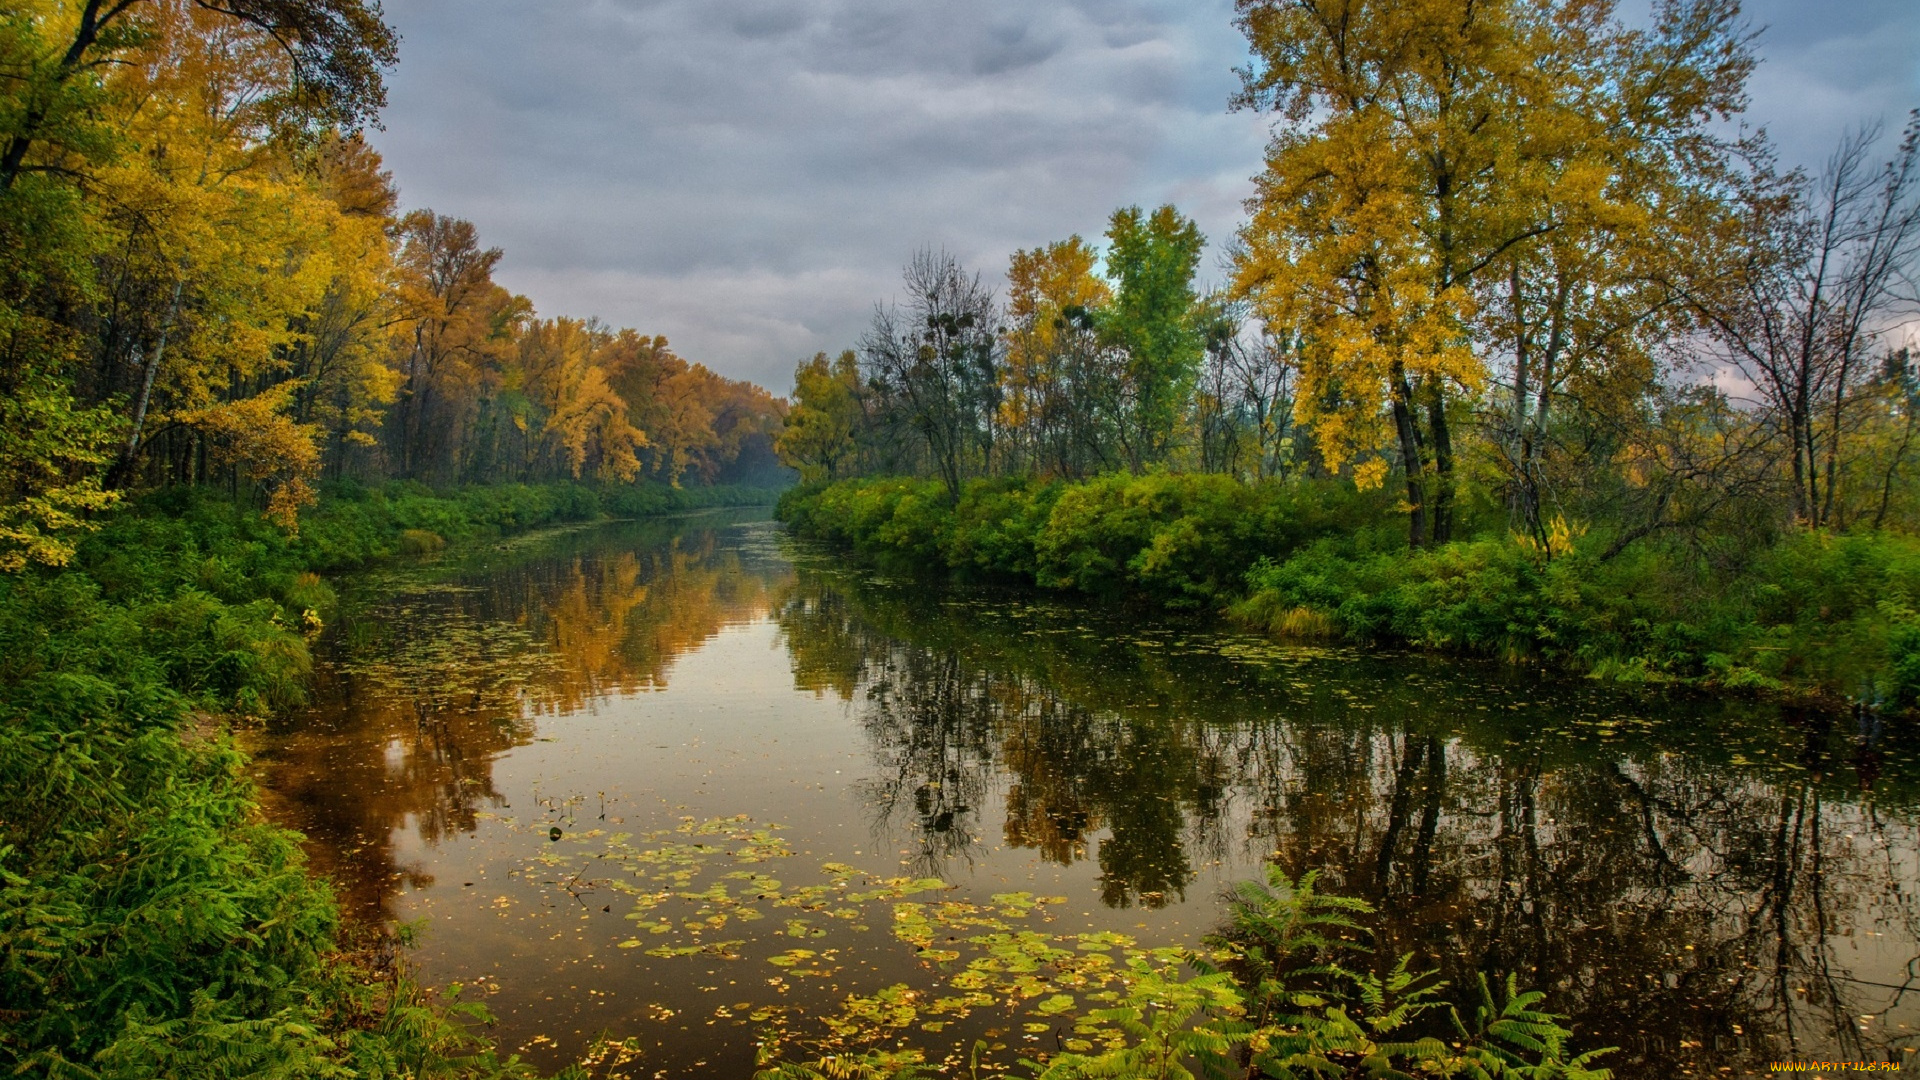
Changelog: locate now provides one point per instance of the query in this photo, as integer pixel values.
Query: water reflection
(434, 671)
(1706, 884)
(1701, 883)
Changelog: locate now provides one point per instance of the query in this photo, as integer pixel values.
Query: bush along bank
(1808, 614)
(152, 923)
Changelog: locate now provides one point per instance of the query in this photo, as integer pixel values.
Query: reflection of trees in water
(932, 722)
(1678, 899)
(427, 684)
(944, 728)
(1664, 900)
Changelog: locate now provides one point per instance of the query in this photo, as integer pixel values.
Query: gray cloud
(747, 176)
(1828, 67)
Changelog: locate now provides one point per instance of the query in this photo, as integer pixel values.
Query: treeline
(1507, 262)
(205, 279)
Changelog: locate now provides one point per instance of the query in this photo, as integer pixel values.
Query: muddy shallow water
(679, 783)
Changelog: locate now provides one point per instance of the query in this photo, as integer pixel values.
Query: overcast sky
(747, 176)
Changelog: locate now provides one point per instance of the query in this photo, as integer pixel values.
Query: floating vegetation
(687, 884)
(454, 656)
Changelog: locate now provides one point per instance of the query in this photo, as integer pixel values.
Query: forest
(209, 281)
(1530, 345)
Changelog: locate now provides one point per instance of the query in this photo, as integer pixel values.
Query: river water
(681, 783)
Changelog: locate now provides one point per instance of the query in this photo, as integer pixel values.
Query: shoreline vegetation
(152, 923)
(1816, 616)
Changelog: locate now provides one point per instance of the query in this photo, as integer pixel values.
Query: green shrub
(421, 542)
(1903, 663)
(1813, 612)
(1809, 612)
(997, 527)
(1186, 540)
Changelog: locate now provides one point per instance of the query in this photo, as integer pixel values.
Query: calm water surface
(752, 751)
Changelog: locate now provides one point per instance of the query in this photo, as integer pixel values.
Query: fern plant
(1308, 1011)
(1158, 1015)
(1505, 1032)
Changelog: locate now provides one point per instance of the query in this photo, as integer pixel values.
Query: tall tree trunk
(1442, 521)
(1796, 433)
(1806, 468)
(130, 454)
(1412, 461)
(1833, 436)
(1522, 503)
(408, 406)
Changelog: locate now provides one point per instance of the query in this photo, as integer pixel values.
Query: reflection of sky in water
(1705, 884)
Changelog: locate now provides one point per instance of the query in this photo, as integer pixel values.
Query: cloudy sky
(747, 176)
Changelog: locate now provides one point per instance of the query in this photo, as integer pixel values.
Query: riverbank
(1814, 615)
(151, 921)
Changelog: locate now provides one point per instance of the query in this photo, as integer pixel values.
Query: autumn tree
(340, 362)
(1821, 271)
(1889, 432)
(164, 243)
(697, 423)
(1423, 149)
(825, 414)
(59, 58)
(1579, 322)
(746, 421)
(573, 421)
(1058, 387)
(1243, 399)
(203, 280)
(667, 399)
(221, 247)
(458, 324)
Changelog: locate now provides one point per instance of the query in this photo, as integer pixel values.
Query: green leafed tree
(1151, 259)
(819, 436)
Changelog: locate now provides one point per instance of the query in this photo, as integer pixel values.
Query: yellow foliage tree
(1424, 147)
(1050, 292)
(584, 418)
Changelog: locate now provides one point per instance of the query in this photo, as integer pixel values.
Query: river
(680, 782)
